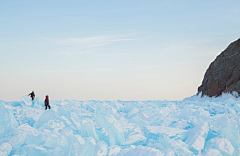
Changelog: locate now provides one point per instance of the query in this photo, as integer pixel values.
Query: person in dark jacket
(32, 95)
(47, 103)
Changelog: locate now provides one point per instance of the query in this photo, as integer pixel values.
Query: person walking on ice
(32, 95)
(47, 103)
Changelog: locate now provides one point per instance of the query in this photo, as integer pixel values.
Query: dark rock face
(223, 74)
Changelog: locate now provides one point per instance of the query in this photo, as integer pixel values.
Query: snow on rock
(193, 126)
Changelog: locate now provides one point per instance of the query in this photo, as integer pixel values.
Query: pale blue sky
(110, 50)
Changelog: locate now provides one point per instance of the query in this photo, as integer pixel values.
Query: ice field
(193, 126)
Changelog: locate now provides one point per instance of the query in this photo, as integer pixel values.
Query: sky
(111, 50)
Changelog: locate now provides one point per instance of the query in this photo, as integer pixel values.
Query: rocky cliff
(223, 74)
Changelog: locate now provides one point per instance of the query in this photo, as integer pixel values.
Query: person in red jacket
(47, 103)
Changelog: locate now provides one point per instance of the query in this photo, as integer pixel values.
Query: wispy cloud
(78, 45)
(73, 52)
(92, 41)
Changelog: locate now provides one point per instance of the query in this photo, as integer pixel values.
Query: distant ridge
(223, 74)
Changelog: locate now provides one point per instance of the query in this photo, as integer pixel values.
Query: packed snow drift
(193, 126)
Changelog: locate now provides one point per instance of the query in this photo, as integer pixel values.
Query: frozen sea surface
(193, 126)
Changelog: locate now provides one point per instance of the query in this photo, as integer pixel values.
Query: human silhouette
(32, 95)
(47, 103)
